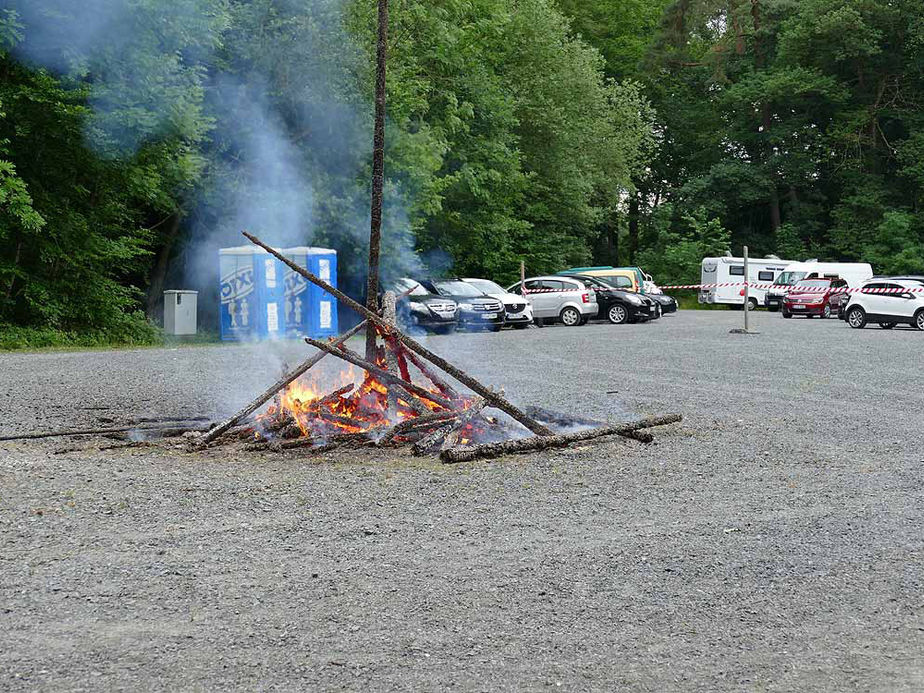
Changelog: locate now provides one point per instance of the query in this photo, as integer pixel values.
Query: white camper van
(854, 273)
(730, 270)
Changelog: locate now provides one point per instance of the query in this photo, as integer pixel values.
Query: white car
(559, 298)
(887, 302)
(518, 310)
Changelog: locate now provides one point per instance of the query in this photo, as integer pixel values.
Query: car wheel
(919, 319)
(617, 314)
(826, 313)
(571, 317)
(752, 304)
(445, 329)
(521, 326)
(786, 314)
(773, 308)
(658, 312)
(887, 325)
(856, 318)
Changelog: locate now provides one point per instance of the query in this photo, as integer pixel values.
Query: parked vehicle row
(771, 279)
(887, 301)
(572, 298)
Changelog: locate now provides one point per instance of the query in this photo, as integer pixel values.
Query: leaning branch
(510, 447)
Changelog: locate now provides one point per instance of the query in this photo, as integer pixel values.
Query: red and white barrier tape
(799, 289)
(762, 287)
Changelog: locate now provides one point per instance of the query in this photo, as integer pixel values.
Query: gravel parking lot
(772, 542)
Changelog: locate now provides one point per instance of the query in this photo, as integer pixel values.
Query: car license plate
(490, 316)
(798, 307)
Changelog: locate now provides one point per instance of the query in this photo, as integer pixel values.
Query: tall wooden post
(378, 175)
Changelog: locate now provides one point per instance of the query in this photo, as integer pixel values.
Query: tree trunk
(633, 227)
(159, 271)
(378, 174)
(766, 120)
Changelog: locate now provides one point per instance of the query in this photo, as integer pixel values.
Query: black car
(424, 309)
(476, 309)
(665, 303)
(618, 305)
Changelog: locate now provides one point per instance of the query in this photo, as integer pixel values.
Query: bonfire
(400, 398)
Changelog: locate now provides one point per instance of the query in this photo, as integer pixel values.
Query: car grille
(444, 310)
(516, 307)
(486, 307)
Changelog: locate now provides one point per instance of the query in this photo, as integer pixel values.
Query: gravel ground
(772, 542)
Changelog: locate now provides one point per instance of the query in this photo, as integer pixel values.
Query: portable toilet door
(322, 308)
(252, 294)
(238, 293)
(270, 281)
(297, 293)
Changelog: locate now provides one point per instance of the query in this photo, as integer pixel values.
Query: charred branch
(537, 443)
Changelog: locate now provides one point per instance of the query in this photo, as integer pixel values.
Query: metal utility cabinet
(180, 312)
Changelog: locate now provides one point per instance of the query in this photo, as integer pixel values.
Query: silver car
(559, 299)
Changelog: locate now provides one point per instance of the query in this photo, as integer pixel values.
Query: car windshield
(611, 282)
(457, 288)
(486, 286)
(814, 283)
(403, 285)
(789, 278)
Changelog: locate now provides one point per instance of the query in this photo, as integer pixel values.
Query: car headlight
(635, 300)
(419, 308)
(466, 306)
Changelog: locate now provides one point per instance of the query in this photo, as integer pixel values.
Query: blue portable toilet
(261, 298)
(309, 310)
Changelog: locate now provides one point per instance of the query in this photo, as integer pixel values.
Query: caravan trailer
(854, 273)
(730, 270)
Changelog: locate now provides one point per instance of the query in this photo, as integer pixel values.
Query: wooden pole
(510, 447)
(378, 173)
(494, 399)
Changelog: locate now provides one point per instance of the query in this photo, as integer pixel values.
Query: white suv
(887, 302)
(559, 299)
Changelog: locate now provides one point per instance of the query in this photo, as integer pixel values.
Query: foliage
(677, 252)
(138, 136)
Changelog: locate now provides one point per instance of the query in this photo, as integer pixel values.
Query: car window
(485, 286)
(765, 276)
(402, 285)
(553, 284)
(736, 270)
(457, 288)
(895, 290)
(533, 284)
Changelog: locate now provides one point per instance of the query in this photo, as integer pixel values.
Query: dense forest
(139, 136)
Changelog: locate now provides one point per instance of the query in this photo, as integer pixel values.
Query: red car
(810, 297)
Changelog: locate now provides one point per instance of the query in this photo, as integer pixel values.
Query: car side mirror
(907, 295)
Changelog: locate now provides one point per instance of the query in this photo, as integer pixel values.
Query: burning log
(432, 440)
(458, 431)
(417, 424)
(510, 447)
(270, 392)
(344, 440)
(380, 373)
(492, 398)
